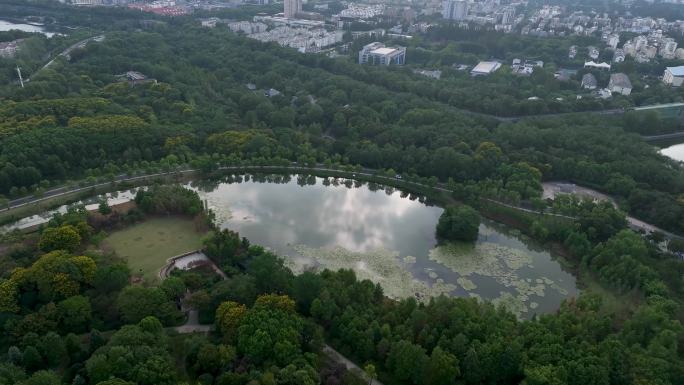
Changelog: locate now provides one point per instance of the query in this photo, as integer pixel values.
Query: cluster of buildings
(293, 28)
(161, 7)
(362, 11)
(377, 53)
(501, 16)
(86, 2)
(188, 5)
(10, 48)
(644, 48)
(525, 68)
(245, 27)
(556, 20)
(373, 14)
(619, 83)
(302, 39)
(303, 35)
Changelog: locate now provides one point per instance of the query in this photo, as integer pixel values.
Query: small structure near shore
(185, 261)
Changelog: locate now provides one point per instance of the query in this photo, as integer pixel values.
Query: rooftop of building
(487, 66)
(620, 80)
(383, 51)
(676, 71)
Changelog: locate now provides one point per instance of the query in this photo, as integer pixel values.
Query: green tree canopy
(458, 223)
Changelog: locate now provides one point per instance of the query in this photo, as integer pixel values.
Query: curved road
(369, 173)
(672, 135)
(551, 189)
(66, 53)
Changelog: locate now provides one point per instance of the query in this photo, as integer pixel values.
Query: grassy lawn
(147, 245)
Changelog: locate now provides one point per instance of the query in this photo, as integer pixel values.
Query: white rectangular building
(485, 68)
(674, 76)
(377, 54)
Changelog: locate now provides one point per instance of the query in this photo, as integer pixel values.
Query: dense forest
(199, 107)
(72, 313)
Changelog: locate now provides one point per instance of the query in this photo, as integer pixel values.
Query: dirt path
(335, 355)
(192, 325)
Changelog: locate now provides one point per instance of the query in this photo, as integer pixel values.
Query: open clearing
(147, 245)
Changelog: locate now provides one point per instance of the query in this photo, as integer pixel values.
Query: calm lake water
(6, 26)
(388, 237)
(675, 152)
(383, 234)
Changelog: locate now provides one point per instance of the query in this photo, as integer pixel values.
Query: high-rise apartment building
(455, 9)
(292, 8)
(508, 16)
(668, 46)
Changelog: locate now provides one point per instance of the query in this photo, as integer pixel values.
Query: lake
(675, 152)
(7, 26)
(383, 234)
(388, 237)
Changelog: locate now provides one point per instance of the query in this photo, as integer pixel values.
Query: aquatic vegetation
(514, 304)
(500, 263)
(409, 259)
(527, 289)
(380, 266)
(440, 287)
(488, 259)
(558, 288)
(466, 284)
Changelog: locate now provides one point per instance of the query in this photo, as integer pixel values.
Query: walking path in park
(192, 324)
